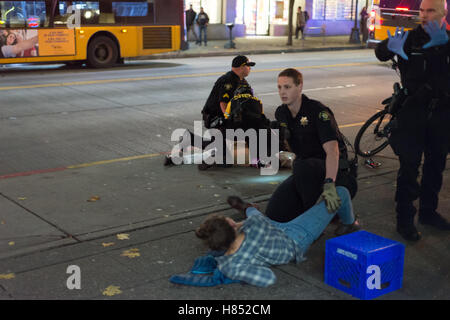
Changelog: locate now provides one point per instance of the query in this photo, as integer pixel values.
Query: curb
(180, 54)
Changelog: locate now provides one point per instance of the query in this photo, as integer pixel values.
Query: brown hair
(217, 233)
(294, 74)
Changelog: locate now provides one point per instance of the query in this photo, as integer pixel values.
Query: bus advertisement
(387, 15)
(98, 32)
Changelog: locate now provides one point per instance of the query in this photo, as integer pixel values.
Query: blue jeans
(309, 226)
(203, 31)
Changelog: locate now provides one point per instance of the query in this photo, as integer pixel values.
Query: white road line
(313, 89)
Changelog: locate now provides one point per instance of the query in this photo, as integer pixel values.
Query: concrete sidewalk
(260, 45)
(129, 226)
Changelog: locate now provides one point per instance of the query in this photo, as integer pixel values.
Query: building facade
(270, 17)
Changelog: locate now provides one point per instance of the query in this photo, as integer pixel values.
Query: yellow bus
(387, 15)
(98, 32)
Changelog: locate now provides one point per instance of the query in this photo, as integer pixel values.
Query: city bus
(387, 15)
(99, 32)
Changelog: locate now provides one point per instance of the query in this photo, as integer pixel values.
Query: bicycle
(375, 132)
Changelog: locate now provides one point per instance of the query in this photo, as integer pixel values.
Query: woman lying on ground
(258, 242)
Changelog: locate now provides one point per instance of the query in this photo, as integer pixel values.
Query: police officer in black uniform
(221, 93)
(423, 118)
(245, 111)
(224, 88)
(314, 137)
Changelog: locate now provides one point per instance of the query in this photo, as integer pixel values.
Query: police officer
(216, 104)
(314, 137)
(424, 117)
(224, 88)
(245, 111)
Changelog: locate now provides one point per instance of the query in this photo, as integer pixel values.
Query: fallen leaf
(111, 291)
(107, 244)
(11, 243)
(22, 198)
(123, 236)
(7, 276)
(93, 199)
(2, 222)
(131, 253)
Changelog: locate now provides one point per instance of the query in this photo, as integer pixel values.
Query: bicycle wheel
(373, 135)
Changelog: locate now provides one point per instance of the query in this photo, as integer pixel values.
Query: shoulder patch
(228, 86)
(324, 116)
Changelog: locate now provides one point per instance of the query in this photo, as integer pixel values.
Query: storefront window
(255, 14)
(279, 10)
(318, 10)
(333, 9)
(239, 12)
(344, 10)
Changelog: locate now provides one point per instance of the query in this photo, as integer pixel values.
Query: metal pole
(354, 35)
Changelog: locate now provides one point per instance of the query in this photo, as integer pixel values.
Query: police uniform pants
(300, 191)
(420, 133)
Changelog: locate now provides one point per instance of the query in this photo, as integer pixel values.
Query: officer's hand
(329, 194)
(438, 35)
(396, 42)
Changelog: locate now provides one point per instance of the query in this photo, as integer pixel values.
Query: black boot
(434, 219)
(408, 231)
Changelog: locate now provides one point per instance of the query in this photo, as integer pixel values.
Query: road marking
(179, 76)
(312, 89)
(97, 163)
(90, 164)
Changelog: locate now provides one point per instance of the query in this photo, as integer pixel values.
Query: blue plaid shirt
(264, 245)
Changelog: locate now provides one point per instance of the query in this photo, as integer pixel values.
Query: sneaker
(435, 220)
(168, 161)
(239, 204)
(347, 228)
(371, 164)
(409, 232)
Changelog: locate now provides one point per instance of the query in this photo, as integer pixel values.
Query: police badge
(304, 121)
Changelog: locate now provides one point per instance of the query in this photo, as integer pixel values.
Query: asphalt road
(54, 116)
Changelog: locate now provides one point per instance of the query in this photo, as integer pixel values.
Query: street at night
(82, 163)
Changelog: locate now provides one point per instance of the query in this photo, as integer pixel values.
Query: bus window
(89, 10)
(23, 14)
(134, 12)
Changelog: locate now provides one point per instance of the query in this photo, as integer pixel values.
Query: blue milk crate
(354, 262)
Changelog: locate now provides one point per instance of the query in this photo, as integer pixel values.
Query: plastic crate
(354, 262)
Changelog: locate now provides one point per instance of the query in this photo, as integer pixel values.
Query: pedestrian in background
(363, 24)
(301, 22)
(202, 21)
(190, 18)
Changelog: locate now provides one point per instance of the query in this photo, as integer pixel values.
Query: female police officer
(315, 139)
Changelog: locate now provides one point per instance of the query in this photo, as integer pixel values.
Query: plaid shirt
(264, 245)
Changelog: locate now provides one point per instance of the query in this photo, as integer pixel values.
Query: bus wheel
(102, 52)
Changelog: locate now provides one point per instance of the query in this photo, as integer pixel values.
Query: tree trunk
(290, 22)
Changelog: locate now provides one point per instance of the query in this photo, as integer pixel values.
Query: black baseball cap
(241, 61)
